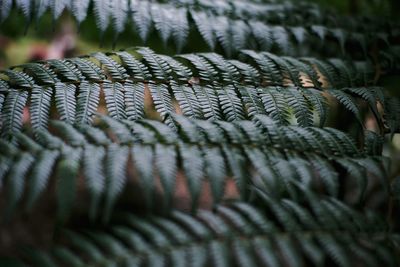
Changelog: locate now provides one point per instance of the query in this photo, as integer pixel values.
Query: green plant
(255, 154)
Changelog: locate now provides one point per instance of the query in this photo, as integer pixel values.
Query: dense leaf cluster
(235, 158)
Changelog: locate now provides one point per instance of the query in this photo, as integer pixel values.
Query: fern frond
(230, 233)
(260, 152)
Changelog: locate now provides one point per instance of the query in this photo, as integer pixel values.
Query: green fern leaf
(115, 170)
(327, 174)
(341, 37)
(262, 34)
(138, 70)
(19, 79)
(347, 74)
(87, 102)
(187, 100)
(182, 73)
(163, 21)
(134, 100)
(142, 18)
(286, 70)
(320, 105)
(268, 68)
(165, 160)
(348, 102)
(40, 106)
(143, 157)
(370, 97)
(58, 7)
(66, 174)
(251, 101)
(276, 106)
(223, 30)
(102, 12)
(180, 27)
(15, 181)
(94, 174)
(117, 72)
(41, 171)
(327, 71)
(162, 101)
(119, 14)
(43, 75)
(204, 69)
(230, 103)
(114, 96)
(66, 69)
(249, 73)
(5, 7)
(208, 100)
(216, 172)
(65, 101)
(281, 38)
(228, 71)
(90, 70)
(302, 111)
(26, 7)
(204, 25)
(160, 68)
(79, 9)
(12, 113)
(193, 165)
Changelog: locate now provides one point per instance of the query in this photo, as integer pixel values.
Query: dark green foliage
(260, 152)
(232, 25)
(276, 88)
(266, 152)
(290, 234)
